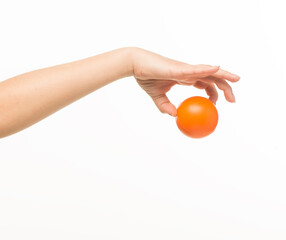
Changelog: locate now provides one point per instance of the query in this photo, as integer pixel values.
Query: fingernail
(237, 77)
(233, 98)
(172, 115)
(216, 66)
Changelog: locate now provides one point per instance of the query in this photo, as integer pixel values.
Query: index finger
(226, 75)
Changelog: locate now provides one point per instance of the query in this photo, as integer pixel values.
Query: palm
(155, 88)
(157, 91)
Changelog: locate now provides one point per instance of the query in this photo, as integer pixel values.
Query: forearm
(30, 97)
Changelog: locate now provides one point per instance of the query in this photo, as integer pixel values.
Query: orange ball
(197, 117)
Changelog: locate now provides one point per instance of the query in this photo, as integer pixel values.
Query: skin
(30, 97)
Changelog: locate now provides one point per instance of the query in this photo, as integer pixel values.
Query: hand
(157, 75)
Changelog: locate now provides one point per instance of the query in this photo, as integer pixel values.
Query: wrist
(130, 57)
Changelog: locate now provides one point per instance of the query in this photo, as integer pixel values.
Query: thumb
(164, 105)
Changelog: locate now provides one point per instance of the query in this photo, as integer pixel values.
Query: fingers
(201, 70)
(164, 105)
(222, 85)
(195, 71)
(209, 88)
(212, 93)
(226, 75)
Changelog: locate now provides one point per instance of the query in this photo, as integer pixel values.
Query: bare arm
(30, 97)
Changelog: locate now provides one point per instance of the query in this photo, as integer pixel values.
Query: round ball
(197, 117)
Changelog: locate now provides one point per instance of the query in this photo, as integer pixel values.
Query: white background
(111, 166)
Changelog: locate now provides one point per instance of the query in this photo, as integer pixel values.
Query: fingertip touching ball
(197, 117)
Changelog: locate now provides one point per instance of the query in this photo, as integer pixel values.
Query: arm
(30, 97)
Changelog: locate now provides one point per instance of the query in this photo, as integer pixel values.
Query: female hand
(156, 75)
(30, 97)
